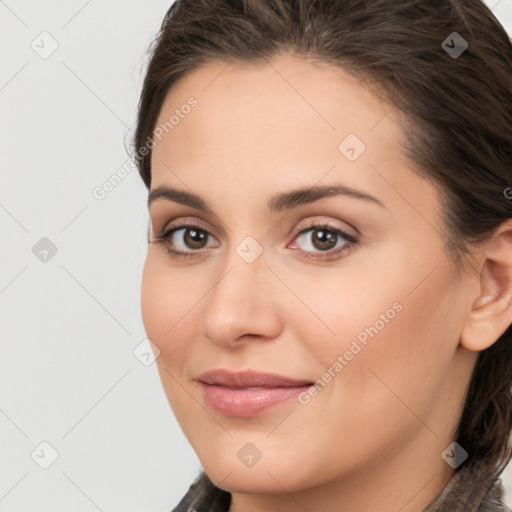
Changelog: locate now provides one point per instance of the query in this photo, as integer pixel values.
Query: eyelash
(163, 237)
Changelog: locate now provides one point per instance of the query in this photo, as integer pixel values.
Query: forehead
(286, 99)
(279, 122)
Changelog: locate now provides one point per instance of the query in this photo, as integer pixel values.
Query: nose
(243, 303)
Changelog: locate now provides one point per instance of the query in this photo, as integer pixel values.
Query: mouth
(248, 393)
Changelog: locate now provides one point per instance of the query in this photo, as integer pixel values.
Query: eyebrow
(280, 202)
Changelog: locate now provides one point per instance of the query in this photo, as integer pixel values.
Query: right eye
(192, 236)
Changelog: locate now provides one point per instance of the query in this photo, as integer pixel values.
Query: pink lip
(248, 393)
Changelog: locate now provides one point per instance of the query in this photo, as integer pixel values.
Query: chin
(250, 480)
(267, 476)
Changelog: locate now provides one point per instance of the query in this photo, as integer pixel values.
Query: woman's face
(372, 317)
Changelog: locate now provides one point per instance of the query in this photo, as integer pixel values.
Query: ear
(491, 312)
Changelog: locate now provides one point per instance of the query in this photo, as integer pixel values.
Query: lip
(248, 378)
(248, 393)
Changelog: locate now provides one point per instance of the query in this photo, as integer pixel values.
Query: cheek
(344, 312)
(388, 367)
(165, 301)
(153, 300)
(381, 325)
(166, 305)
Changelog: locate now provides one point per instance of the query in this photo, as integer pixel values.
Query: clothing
(467, 491)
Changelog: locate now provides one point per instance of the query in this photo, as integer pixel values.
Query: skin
(372, 438)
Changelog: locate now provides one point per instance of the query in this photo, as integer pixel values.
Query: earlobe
(491, 312)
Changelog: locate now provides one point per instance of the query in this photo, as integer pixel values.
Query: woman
(329, 270)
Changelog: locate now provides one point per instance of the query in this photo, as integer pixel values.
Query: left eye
(324, 238)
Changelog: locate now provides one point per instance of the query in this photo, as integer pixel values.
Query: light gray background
(68, 374)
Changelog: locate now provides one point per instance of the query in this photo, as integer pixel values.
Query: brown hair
(457, 112)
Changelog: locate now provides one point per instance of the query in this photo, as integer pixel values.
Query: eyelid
(205, 219)
(295, 231)
(314, 222)
(184, 222)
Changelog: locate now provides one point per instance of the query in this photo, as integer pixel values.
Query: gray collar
(472, 489)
